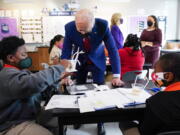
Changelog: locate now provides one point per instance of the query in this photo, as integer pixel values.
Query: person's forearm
(145, 43)
(149, 43)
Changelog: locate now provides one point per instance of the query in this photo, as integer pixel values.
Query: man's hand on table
(117, 82)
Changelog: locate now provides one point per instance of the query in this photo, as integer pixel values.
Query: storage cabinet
(38, 57)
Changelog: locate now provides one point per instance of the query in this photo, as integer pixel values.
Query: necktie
(86, 43)
(87, 47)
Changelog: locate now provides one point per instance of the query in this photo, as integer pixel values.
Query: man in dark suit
(88, 34)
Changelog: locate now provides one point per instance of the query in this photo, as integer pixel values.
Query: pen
(133, 104)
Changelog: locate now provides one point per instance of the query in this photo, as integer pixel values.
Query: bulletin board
(53, 25)
(8, 27)
(31, 30)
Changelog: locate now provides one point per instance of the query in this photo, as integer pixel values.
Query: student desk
(73, 116)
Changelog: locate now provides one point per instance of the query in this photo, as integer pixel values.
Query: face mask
(149, 23)
(60, 45)
(121, 21)
(25, 63)
(158, 79)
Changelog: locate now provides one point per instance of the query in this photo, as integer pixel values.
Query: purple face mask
(121, 21)
(60, 45)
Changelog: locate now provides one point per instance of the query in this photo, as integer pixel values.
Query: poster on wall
(31, 29)
(8, 27)
(137, 24)
(162, 25)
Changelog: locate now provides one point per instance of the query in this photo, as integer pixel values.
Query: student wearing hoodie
(132, 57)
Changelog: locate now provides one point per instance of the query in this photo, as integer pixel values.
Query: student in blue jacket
(20, 89)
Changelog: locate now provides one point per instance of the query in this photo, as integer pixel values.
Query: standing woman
(151, 39)
(55, 49)
(116, 20)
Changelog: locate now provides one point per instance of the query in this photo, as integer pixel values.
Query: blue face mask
(25, 63)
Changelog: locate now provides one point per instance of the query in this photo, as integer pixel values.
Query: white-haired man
(88, 34)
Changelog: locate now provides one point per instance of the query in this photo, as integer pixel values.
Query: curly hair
(9, 45)
(133, 41)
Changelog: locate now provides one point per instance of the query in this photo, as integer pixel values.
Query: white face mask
(158, 76)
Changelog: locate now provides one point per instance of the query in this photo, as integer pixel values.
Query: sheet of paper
(119, 99)
(139, 96)
(101, 100)
(81, 87)
(62, 101)
(85, 105)
(103, 87)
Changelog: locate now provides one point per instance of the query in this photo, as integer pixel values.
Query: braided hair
(133, 41)
(53, 41)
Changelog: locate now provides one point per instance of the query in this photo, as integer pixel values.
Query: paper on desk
(107, 99)
(85, 105)
(135, 96)
(81, 87)
(102, 87)
(118, 98)
(100, 100)
(62, 101)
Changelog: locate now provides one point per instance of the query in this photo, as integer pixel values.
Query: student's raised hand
(117, 82)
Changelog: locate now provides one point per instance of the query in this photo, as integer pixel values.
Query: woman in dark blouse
(151, 39)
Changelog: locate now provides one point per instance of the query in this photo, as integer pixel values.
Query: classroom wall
(167, 8)
(178, 21)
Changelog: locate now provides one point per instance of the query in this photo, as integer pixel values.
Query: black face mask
(149, 23)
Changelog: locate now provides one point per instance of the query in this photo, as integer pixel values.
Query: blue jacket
(118, 36)
(100, 32)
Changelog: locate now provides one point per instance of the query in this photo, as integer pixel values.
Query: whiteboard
(53, 25)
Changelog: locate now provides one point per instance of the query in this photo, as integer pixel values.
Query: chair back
(131, 75)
